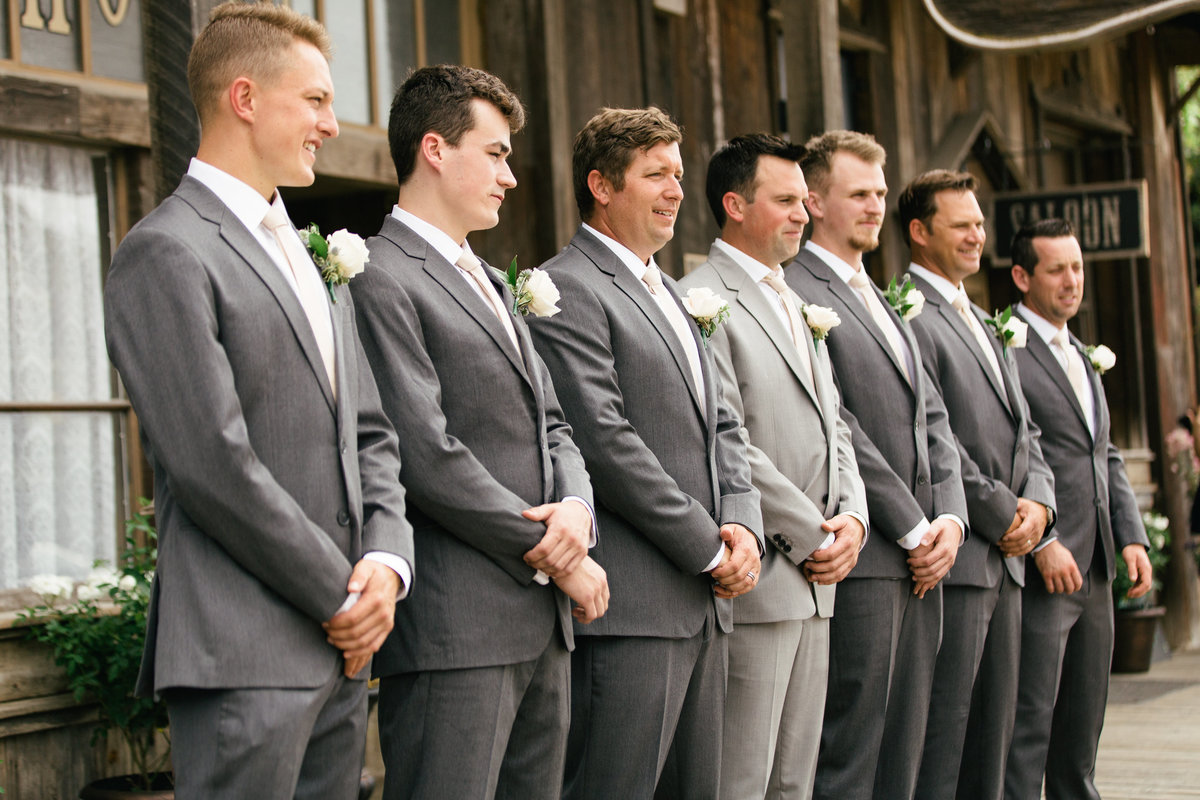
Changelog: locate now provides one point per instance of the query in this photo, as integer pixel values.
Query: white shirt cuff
(716, 562)
(910, 540)
(829, 539)
(398, 565)
(962, 526)
(592, 513)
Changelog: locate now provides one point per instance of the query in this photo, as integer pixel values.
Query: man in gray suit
(884, 637)
(776, 376)
(1009, 488)
(283, 545)
(1067, 615)
(474, 695)
(676, 507)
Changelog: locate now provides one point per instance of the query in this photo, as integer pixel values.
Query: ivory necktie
(472, 266)
(653, 280)
(310, 290)
(1074, 365)
(775, 280)
(862, 284)
(963, 305)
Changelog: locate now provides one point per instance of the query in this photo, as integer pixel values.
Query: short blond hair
(246, 39)
(609, 142)
(819, 151)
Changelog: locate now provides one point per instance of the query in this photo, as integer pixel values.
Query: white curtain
(57, 469)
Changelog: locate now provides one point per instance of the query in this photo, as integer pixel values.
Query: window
(97, 37)
(61, 422)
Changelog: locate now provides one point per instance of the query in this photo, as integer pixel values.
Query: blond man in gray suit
(283, 544)
(776, 376)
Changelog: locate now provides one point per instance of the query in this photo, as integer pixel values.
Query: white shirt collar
(942, 286)
(438, 239)
(627, 256)
(240, 197)
(1042, 326)
(836, 263)
(752, 266)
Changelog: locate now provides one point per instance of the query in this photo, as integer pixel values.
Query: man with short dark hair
(474, 691)
(680, 520)
(1067, 612)
(283, 546)
(1009, 488)
(774, 365)
(884, 636)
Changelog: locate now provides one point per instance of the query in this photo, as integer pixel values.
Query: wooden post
(814, 70)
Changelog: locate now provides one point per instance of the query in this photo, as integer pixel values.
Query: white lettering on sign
(114, 16)
(32, 18)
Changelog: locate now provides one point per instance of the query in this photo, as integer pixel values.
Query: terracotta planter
(1134, 640)
(119, 788)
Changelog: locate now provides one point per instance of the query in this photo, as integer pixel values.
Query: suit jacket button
(343, 448)
(787, 548)
(922, 480)
(343, 518)
(777, 538)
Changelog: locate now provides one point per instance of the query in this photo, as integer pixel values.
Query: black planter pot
(1134, 641)
(122, 787)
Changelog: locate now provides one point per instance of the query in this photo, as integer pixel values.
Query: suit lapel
(1049, 362)
(608, 262)
(856, 306)
(242, 242)
(455, 284)
(955, 322)
(745, 293)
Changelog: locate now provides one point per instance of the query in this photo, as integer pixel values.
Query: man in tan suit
(776, 376)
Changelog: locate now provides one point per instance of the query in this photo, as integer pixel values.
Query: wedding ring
(750, 575)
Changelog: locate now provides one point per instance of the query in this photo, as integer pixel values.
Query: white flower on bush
(821, 320)
(51, 587)
(127, 583)
(707, 307)
(87, 593)
(1102, 358)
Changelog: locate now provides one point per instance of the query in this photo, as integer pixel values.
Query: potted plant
(96, 631)
(1137, 618)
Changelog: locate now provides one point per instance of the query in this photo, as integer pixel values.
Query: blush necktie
(800, 332)
(1074, 365)
(310, 289)
(679, 324)
(963, 305)
(471, 265)
(862, 284)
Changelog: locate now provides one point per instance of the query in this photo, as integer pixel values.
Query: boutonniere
(708, 308)
(340, 257)
(1010, 330)
(820, 320)
(1101, 357)
(533, 291)
(906, 299)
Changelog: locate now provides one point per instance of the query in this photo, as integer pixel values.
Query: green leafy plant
(1158, 531)
(96, 631)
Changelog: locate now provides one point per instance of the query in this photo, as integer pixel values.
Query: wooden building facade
(93, 129)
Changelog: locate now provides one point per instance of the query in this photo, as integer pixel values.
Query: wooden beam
(814, 71)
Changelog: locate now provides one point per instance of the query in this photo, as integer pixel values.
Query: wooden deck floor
(1150, 748)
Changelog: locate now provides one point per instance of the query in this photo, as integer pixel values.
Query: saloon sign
(1109, 218)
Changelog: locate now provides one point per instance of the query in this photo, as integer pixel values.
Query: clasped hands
(562, 554)
(1026, 529)
(739, 568)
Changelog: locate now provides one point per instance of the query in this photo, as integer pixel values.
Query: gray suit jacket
(997, 444)
(481, 439)
(665, 476)
(267, 491)
(902, 440)
(799, 448)
(1094, 501)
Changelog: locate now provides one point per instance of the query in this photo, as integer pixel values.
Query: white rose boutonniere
(533, 291)
(907, 299)
(340, 257)
(708, 308)
(1011, 331)
(820, 320)
(1101, 357)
